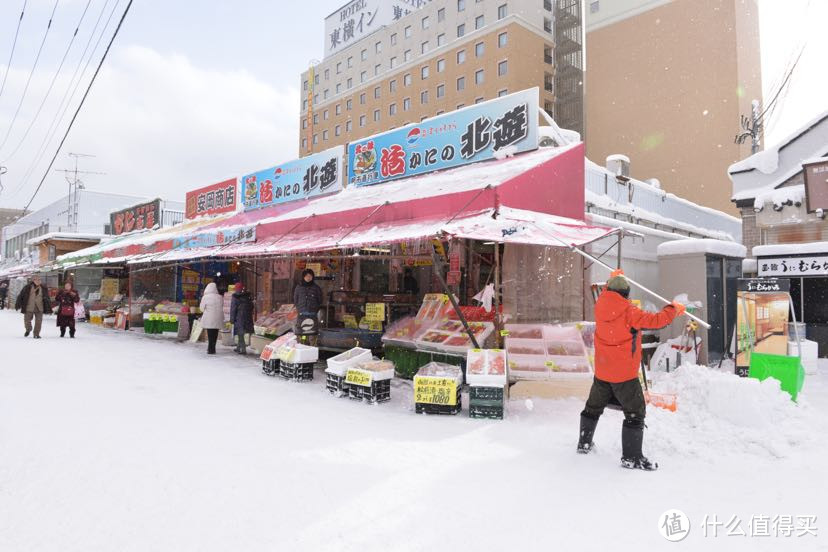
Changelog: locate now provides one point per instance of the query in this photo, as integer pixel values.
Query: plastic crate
(296, 372)
(490, 412)
(481, 393)
(270, 367)
(446, 409)
(379, 391)
(336, 385)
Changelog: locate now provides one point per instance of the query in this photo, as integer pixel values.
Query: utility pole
(3, 171)
(75, 184)
(751, 128)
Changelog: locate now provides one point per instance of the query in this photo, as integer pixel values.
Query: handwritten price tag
(433, 390)
(355, 376)
(375, 312)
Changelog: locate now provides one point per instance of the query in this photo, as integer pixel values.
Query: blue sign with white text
(475, 133)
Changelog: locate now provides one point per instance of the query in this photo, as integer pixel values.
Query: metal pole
(796, 327)
(438, 270)
(497, 320)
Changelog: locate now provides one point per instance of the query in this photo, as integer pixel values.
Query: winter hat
(619, 284)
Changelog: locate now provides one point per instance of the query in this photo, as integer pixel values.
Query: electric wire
(14, 44)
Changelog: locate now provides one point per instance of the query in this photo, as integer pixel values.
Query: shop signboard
(214, 199)
(762, 310)
(789, 266)
(468, 135)
(359, 18)
(243, 234)
(303, 178)
(143, 216)
(816, 185)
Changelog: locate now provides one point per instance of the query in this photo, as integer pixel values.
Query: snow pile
(720, 413)
(690, 246)
(790, 248)
(790, 195)
(766, 161)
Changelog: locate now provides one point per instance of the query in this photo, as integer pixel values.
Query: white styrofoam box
(810, 349)
(297, 353)
(339, 364)
(379, 369)
(486, 367)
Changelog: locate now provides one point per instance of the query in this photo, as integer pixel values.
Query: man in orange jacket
(618, 325)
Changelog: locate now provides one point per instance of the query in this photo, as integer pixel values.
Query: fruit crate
(296, 372)
(336, 385)
(482, 409)
(484, 393)
(379, 391)
(270, 367)
(426, 408)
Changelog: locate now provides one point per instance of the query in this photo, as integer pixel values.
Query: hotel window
(364, 55)
(376, 115)
(392, 86)
(461, 83)
(377, 69)
(363, 76)
(502, 68)
(441, 39)
(376, 93)
(407, 79)
(441, 90)
(328, 72)
(478, 100)
(339, 109)
(478, 22)
(424, 97)
(424, 72)
(406, 104)
(304, 105)
(378, 47)
(502, 39)
(350, 83)
(316, 79)
(339, 88)
(441, 15)
(325, 94)
(393, 62)
(362, 99)
(424, 47)
(304, 123)
(461, 106)
(501, 11)
(305, 86)
(325, 115)
(338, 67)
(316, 98)
(394, 39)
(362, 120)
(408, 32)
(348, 126)
(337, 130)
(478, 76)
(324, 135)
(594, 7)
(461, 5)
(407, 55)
(316, 118)
(501, 93)
(392, 109)
(349, 104)
(315, 138)
(350, 61)
(441, 65)
(461, 30)
(304, 143)
(425, 22)
(479, 49)
(461, 57)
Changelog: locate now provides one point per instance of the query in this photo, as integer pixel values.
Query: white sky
(196, 92)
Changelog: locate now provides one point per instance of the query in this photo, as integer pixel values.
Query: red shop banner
(144, 216)
(212, 200)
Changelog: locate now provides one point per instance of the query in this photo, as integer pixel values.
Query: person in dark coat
(241, 315)
(66, 299)
(618, 325)
(4, 292)
(33, 301)
(307, 299)
(410, 283)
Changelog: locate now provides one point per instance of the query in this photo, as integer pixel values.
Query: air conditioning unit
(619, 165)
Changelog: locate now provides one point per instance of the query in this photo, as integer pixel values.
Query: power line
(51, 84)
(31, 74)
(14, 44)
(80, 105)
(73, 86)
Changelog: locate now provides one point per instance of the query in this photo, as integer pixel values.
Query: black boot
(585, 444)
(63, 332)
(632, 438)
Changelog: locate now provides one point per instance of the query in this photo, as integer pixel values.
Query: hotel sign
(356, 20)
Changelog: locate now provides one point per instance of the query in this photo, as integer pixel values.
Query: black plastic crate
(336, 385)
(296, 372)
(488, 412)
(481, 393)
(270, 367)
(380, 391)
(426, 408)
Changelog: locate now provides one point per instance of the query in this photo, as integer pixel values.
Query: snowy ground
(125, 442)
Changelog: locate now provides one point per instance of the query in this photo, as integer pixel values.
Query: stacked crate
(338, 367)
(370, 381)
(487, 376)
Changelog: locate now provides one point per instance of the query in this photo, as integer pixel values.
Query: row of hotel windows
(479, 50)
(392, 111)
(479, 76)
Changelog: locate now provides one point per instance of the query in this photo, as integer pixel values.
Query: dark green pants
(627, 393)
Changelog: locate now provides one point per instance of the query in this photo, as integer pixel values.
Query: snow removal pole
(630, 280)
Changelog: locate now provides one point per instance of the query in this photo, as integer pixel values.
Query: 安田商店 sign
(475, 133)
(311, 176)
(814, 265)
(212, 200)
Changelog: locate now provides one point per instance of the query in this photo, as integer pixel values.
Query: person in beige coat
(212, 317)
(33, 301)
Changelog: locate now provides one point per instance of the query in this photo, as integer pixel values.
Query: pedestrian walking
(33, 301)
(241, 315)
(212, 315)
(66, 299)
(618, 325)
(4, 292)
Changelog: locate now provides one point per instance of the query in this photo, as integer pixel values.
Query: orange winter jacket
(618, 338)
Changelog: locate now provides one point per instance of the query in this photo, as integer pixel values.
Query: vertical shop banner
(311, 176)
(144, 216)
(212, 200)
(472, 134)
(762, 310)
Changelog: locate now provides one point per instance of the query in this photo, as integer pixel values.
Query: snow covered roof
(790, 249)
(690, 246)
(68, 236)
(789, 195)
(750, 266)
(770, 168)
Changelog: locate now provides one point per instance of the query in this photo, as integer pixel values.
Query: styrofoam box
(340, 364)
(298, 353)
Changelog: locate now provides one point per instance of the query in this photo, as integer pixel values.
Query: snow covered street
(119, 441)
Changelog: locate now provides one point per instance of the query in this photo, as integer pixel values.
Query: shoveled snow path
(118, 441)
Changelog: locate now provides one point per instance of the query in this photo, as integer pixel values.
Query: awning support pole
(360, 223)
(497, 320)
(630, 280)
(438, 270)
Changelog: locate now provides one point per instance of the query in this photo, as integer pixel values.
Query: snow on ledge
(790, 249)
(690, 246)
(790, 195)
(750, 266)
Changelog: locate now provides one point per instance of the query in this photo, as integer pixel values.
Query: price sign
(355, 376)
(316, 267)
(375, 326)
(374, 312)
(552, 366)
(434, 390)
(266, 353)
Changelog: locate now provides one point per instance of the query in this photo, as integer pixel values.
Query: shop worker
(618, 325)
(33, 301)
(410, 283)
(4, 290)
(307, 297)
(241, 315)
(212, 315)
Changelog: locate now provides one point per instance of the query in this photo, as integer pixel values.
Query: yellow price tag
(435, 390)
(552, 366)
(375, 326)
(355, 376)
(350, 321)
(504, 333)
(375, 312)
